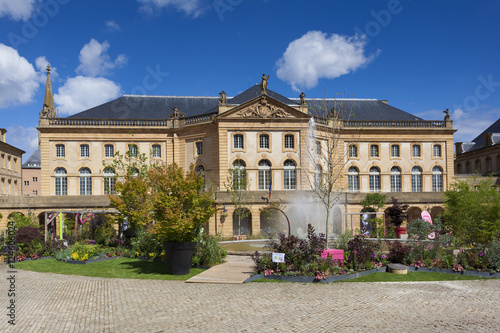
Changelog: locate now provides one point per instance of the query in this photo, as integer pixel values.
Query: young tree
(238, 186)
(181, 204)
(397, 212)
(132, 198)
(473, 210)
(325, 151)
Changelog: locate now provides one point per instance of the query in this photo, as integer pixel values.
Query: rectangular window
(35, 179)
(26, 183)
(395, 151)
(238, 141)
(109, 151)
(437, 151)
(374, 151)
(156, 151)
(35, 192)
(353, 151)
(199, 148)
(132, 150)
(416, 151)
(289, 141)
(318, 148)
(60, 150)
(264, 141)
(84, 151)
(109, 185)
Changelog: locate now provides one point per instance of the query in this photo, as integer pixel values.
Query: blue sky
(422, 56)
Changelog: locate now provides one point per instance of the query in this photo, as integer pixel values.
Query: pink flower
(383, 256)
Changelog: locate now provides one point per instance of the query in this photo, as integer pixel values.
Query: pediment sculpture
(263, 110)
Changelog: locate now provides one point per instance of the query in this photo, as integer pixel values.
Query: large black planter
(178, 256)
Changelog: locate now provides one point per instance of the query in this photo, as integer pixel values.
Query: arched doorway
(436, 211)
(272, 222)
(414, 213)
(242, 222)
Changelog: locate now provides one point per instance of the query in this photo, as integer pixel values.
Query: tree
(397, 212)
(373, 201)
(132, 198)
(181, 205)
(238, 186)
(473, 210)
(326, 154)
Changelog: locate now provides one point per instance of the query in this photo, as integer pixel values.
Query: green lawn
(410, 277)
(123, 268)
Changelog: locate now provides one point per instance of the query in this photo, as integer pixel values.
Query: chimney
(459, 148)
(3, 136)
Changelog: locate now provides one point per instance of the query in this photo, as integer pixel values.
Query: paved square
(60, 303)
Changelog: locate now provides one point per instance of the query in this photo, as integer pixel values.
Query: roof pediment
(263, 107)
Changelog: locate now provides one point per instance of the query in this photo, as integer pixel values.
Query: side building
(281, 144)
(10, 167)
(481, 156)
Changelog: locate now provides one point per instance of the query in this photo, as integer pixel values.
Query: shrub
(399, 252)
(361, 249)
(208, 252)
(341, 241)
(144, 243)
(493, 255)
(84, 251)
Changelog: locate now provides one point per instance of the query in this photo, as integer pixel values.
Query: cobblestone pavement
(59, 303)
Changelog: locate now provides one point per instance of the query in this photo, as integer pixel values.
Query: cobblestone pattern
(59, 303)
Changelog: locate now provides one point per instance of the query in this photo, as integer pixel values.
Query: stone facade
(10, 167)
(285, 147)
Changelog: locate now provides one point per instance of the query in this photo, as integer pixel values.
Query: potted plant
(397, 214)
(181, 207)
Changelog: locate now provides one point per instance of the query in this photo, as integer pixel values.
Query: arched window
(459, 168)
(353, 179)
(289, 175)
(85, 181)
(109, 180)
(478, 166)
(395, 179)
(437, 179)
(374, 179)
(264, 175)
(416, 179)
(200, 170)
(467, 167)
(61, 182)
(239, 175)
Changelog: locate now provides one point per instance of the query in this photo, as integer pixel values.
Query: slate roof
(34, 161)
(477, 143)
(160, 107)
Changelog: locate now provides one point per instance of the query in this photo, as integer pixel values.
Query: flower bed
(313, 279)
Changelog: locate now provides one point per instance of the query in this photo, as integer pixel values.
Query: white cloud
(94, 59)
(112, 25)
(18, 79)
(25, 138)
(17, 9)
(315, 56)
(192, 8)
(81, 93)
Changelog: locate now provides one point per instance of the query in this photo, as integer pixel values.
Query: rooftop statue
(263, 84)
(222, 98)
